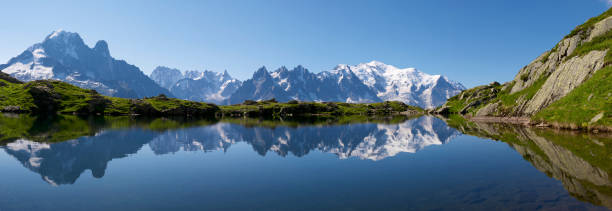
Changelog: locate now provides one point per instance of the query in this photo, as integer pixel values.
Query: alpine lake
(353, 163)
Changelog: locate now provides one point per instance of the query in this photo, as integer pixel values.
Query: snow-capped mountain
(340, 85)
(407, 85)
(206, 86)
(166, 77)
(64, 56)
(367, 82)
(300, 84)
(260, 87)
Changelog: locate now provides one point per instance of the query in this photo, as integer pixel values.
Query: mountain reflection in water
(63, 162)
(62, 148)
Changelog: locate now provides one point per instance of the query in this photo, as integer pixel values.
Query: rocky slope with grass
(53, 96)
(569, 86)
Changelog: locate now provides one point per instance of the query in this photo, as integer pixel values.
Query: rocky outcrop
(45, 98)
(547, 79)
(9, 78)
(600, 28)
(564, 79)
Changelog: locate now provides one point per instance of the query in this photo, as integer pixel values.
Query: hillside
(53, 96)
(569, 86)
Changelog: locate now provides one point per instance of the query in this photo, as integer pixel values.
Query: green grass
(14, 95)
(118, 106)
(275, 109)
(71, 99)
(162, 103)
(493, 94)
(510, 101)
(484, 93)
(600, 43)
(576, 107)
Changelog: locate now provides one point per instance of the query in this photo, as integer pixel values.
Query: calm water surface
(392, 164)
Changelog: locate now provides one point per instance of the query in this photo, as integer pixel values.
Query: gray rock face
(564, 79)
(601, 28)
(563, 75)
(64, 56)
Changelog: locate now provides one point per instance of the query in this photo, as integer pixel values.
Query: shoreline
(526, 121)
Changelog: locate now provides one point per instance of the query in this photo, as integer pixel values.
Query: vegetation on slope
(586, 106)
(470, 100)
(589, 24)
(578, 109)
(50, 97)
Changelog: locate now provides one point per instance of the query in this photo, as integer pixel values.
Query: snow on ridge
(56, 33)
(408, 85)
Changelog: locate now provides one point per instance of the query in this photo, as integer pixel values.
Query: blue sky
(470, 41)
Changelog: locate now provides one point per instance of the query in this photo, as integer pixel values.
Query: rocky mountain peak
(102, 48)
(262, 72)
(61, 37)
(64, 56)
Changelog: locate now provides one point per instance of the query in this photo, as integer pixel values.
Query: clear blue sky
(470, 41)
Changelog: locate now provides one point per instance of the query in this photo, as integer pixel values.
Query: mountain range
(367, 82)
(206, 86)
(64, 56)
